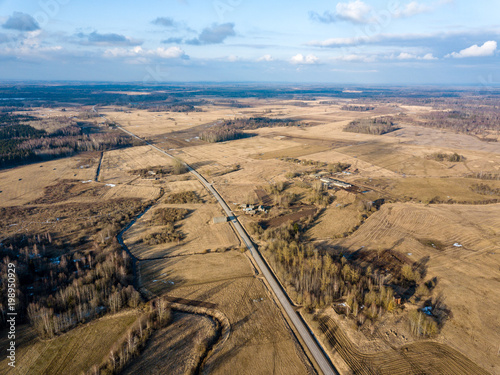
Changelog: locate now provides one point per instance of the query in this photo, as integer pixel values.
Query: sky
(453, 42)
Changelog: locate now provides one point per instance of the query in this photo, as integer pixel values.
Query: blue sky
(347, 41)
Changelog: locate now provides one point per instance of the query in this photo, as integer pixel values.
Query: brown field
(24, 184)
(427, 189)
(117, 164)
(226, 281)
(395, 165)
(173, 350)
(201, 234)
(257, 328)
(291, 152)
(292, 217)
(465, 274)
(73, 352)
(418, 358)
(336, 220)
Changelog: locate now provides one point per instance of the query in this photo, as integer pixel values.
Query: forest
(361, 285)
(225, 130)
(375, 126)
(27, 139)
(62, 282)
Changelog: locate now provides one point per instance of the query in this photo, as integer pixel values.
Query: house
(262, 209)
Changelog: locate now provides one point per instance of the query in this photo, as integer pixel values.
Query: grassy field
(24, 184)
(226, 280)
(174, 350)
(117, 164)
(257, 329)
(201, 233)
(165, 275)
(433, 190)
(465, 266)
(73, 352)
(338, 219)
(417, 358)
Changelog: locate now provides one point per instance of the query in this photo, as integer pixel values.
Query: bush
(184, 197)
(163, 216)
(421, 324)
(454, 158)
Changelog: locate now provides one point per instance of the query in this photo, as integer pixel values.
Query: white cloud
(354, 11)
(232, 58)
(356, 58)
(265, 58)
(301, 59)
(161, 52)
(412, 9)
(358, 11)
(335, 42)
(429, 56)
(406, 56)
(487, 49)
(411, 56)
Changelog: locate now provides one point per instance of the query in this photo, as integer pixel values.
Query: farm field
(257, 327)
(72, 352)
(24, 184)
(464, 265)
(202, 234)
(175, 349)
(422, 357)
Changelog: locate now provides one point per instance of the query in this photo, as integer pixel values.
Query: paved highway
(319, 356)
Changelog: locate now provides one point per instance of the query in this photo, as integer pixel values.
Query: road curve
(308, 338)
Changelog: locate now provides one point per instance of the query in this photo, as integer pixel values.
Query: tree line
(225, 130)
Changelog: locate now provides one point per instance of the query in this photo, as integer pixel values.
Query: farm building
(332, 181)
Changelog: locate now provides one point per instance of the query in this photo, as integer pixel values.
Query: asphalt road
(308, 338)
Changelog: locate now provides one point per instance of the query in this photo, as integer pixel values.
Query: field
(396, 166)
(202, 234)
(341, 217)
(24, 184)
(72, 352)
(176, 347)
(464, 267)
(418, 358)
(226, 282)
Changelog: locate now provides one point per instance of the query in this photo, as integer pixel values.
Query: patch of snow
(456, 244)
(111, 185)
(86, 182)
